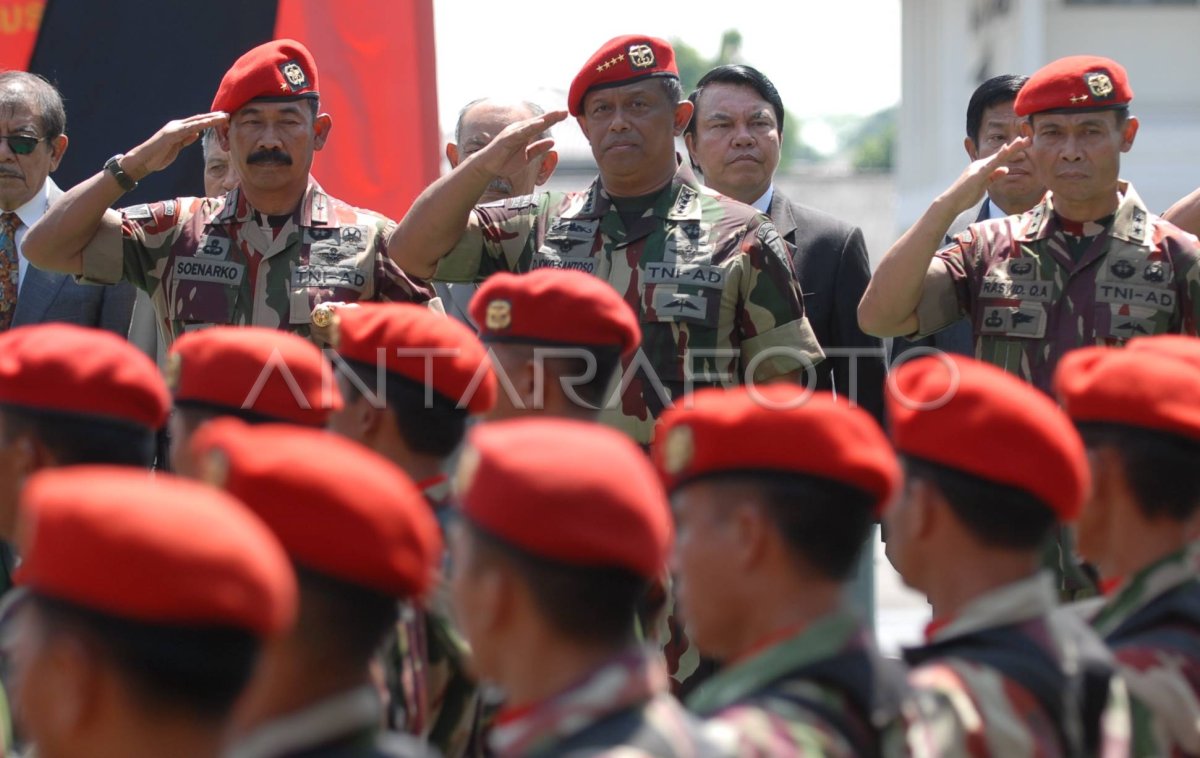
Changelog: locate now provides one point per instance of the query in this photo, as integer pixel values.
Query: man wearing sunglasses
(266, 254)
(32, 143)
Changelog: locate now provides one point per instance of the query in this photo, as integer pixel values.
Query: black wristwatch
(113, 166)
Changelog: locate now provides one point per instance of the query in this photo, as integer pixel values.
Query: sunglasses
(20, 144)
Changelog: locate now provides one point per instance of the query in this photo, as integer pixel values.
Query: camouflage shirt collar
(680, 203)
(625, 681)
(341, 716)
(822, 639)
(1137, 591)
(314, 208)
(1013, 603)
(1131, 223)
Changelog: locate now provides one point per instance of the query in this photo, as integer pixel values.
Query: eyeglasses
(21, 144)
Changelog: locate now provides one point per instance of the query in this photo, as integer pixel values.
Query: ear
(689, 142)
(683, 114)
(526, 384)
(926, 504)
(753, 535)
(1027, 128)
(971, 148)
(549, 163)
(1131, 130)
(321, 129)
(223, 133)
(76, 677)
(452, 154)
(58, 147)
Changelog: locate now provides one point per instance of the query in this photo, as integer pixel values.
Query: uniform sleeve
(1187, 269)
(392, 284)
(496, 239)
(776, 336)
(946, 295)
(133, 244)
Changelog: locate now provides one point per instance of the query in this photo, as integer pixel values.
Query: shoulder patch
(521, 201)
(137, 212)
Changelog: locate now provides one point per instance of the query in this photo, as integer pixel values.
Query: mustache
(269, 156)
(13, 174)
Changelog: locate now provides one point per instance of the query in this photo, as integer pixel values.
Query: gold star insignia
(600, 68)
(621, 57)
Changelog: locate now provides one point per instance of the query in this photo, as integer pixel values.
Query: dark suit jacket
(46, 296)
(831, 263)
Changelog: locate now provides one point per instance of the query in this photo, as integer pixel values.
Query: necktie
(9, 268)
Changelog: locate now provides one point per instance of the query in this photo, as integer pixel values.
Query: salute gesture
(517, 146)
(970, 187)
(160, 151)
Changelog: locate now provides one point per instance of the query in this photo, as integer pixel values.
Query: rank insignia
(678, 450)
(641, 56)
(499, 315)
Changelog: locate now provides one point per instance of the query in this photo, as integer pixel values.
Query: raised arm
(439, 215)
(889, 306)
(1186, 213)
(57, 240)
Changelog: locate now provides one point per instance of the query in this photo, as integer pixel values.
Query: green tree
(872, 144)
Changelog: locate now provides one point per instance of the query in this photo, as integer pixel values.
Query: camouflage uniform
(1152, 623)
(425, 666)
(710, 279)
(345, 725)
(207, 261)
(1030, 302)
(822, 691)
(994, 680)
(621, 708)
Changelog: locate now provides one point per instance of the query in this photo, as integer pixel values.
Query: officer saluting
(268, 252)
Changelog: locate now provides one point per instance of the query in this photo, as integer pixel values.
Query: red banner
(378, 82)
(19, 24)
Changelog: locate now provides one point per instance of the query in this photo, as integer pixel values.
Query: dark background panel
(125, 69)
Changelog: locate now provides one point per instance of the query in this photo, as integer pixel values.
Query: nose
(620, 121)
(1070, 149)
(269, 137)
(742, 136)
(6, 153)
(230, 180)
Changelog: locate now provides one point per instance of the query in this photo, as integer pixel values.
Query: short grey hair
(532, 107)
(20, 88)
(207, 141)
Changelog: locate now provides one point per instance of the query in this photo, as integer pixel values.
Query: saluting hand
(160, 151)
(969, 188)
(515, 147)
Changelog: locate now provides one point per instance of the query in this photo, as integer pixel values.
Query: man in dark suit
(32, 143)
(991, 124)
(734, 138)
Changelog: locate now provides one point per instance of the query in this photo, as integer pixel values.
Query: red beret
(1152, 383)
(554, 307)
(567, 491)
(622, 60)
(1077, 83)
(338, 508)
(271, 373)
(841, 443)
(282, 69)
(86, 372)
(973, 417)
(393, 332)
(153, 549)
